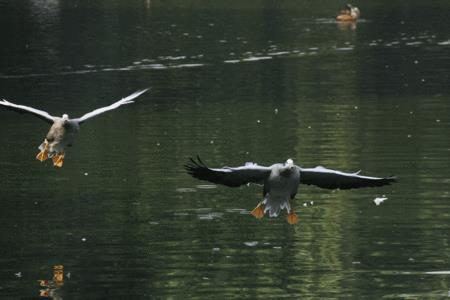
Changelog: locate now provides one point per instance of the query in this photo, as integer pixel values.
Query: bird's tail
(275, 207)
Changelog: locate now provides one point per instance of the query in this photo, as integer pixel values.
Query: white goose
(63, 129)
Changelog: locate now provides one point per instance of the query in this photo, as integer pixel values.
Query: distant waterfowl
(281, 182)
(348, 14)
(63, 129)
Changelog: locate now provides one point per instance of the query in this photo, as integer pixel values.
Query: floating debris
(379, 200)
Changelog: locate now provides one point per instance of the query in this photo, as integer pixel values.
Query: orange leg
(292, 218)
(258, 211)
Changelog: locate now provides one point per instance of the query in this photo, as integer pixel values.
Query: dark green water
(233, 82)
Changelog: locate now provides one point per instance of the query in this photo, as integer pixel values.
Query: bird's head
(288, 167)
(65, 118)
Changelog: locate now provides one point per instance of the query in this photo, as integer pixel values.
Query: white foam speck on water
(176, 57)
(413, 43)
(182, 214)
(444, 272)
(251, 243)
(232, 61)
(206, 186)
(185, 190)
(210, 216)
(278, 53)
(256, 58)
(235, 210)
(444, 43)
(187, 65)
(344, 49)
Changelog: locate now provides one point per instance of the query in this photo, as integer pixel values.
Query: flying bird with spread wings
(63, 129)
(280, 182)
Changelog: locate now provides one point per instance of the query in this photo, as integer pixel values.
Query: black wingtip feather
(198, 169)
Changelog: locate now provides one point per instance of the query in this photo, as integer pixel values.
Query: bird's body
(61, 135)
(63, 129)
(281, 182)
(279, 188)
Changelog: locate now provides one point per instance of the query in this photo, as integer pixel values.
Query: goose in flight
(63, 129)
(280, 182)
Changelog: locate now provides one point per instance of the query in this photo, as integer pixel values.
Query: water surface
(261, 81)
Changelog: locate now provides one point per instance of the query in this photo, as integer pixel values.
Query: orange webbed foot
(292, 218)
(258, 211)
(58, 160)
(42, 156)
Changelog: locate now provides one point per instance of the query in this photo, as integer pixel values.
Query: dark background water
(232, 81)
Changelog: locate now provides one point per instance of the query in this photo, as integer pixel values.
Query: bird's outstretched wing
(43, 115)
(233, 177)
(332, 179)
(98, 111)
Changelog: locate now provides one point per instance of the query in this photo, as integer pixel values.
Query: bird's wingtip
(141, 91)
(392, 178)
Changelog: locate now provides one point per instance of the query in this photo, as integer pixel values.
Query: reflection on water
(249, 81)
(53, 286)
